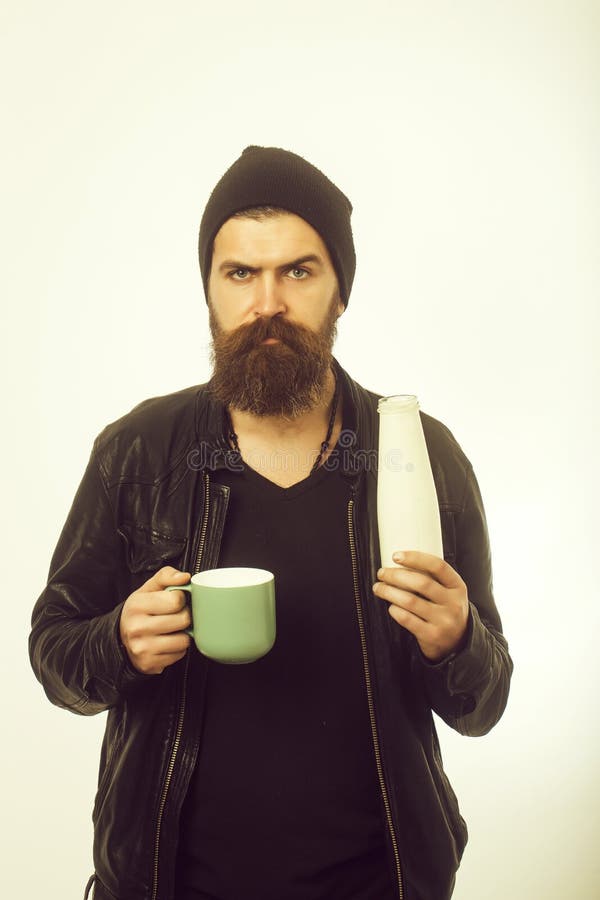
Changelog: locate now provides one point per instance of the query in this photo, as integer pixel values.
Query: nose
(268, 300)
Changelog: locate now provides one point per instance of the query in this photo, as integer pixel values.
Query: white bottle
(408, 513)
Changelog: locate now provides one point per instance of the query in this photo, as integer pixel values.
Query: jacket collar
(356, 446)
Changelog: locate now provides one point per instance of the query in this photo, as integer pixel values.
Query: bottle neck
(399, 403)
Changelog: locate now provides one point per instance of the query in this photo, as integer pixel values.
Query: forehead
(280, 238)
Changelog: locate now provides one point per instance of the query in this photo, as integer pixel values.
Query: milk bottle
(407, 506)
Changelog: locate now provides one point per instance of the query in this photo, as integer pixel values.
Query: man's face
(273, 304)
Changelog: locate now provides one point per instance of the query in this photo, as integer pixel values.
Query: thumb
(165, 577)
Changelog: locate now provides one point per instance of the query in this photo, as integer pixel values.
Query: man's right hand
(153, 621)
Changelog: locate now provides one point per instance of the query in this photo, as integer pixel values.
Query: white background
(467, 136)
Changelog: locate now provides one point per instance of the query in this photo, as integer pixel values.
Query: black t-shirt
(285, 802)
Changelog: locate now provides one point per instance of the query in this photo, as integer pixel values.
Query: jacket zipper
(363, 642)
(179, 730)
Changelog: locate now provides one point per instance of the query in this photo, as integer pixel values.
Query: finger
(437, 567)
(415, 582)
(412, 604)
(156, 663)
(146, 649)
(164, 660)
(174, 601)
(151, 645)
(164, 578)
(412, 623)
(161, 662)
(170, 623)
(160, 603)
(171, 643)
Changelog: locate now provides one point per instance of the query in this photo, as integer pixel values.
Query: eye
(298, 274)
(239, 274)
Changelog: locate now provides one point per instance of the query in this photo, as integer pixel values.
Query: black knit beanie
(269, 176)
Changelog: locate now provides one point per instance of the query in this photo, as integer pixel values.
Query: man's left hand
(429, 599)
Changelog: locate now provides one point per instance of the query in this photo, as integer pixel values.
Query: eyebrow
(237, 264)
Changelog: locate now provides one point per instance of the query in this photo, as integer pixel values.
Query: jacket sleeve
(469, 688)
(74, 644)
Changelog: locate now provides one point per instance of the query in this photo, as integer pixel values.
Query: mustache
(250, 336)
(283, 379)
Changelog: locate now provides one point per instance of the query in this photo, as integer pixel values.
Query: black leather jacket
(151, 496)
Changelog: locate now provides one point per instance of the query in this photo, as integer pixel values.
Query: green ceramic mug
(233, 613)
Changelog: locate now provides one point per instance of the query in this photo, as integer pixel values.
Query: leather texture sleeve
(469, 688)
(74, 645)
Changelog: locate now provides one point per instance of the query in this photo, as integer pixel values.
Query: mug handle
(183, 587)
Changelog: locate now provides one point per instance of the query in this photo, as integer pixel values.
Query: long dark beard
(284, 379)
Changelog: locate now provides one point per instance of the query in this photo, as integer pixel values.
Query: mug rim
(235, 576)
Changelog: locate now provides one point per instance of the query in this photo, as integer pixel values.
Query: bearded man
(313, 773)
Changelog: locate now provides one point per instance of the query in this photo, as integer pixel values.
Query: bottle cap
(398, 403)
